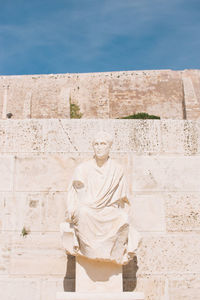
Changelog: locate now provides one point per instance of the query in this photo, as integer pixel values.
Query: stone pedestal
(100, 296)
(97, 276)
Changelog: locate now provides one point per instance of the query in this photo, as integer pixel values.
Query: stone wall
(166, 93)
(162, 164)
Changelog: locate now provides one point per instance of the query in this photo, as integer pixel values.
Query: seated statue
(98, 209)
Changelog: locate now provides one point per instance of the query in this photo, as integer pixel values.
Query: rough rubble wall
(162, 163)
(166, 93)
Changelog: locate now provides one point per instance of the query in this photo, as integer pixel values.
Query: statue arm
(72, 195)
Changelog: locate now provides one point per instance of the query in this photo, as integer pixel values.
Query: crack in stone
(76, 149)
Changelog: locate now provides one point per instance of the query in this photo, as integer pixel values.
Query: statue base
(99, 296)
(98, 276)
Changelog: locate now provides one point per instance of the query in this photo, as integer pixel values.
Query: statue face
(101, 148)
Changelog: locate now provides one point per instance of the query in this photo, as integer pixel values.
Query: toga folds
(99, 212)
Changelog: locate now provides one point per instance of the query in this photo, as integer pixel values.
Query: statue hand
(69, 216)
(78, 184)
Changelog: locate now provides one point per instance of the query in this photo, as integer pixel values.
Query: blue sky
(72, 36)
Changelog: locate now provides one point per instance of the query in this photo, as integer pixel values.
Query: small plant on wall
(141, 115)
(75, 111)
(25, 231)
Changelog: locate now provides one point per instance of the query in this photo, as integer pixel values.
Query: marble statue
(98, 209)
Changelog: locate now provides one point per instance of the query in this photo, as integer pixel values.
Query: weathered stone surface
(143, 137)
(182, 211)
(154, 288)
(43, 173)
(148, 212)
(23, 136)
(166, 173)
(19, 289)
(169, 254)
(190, 80)
(158, 92)
(6, 173)
(167, 93)
(5, 253)
(184, 288)
(33, 210)
(37, 254)
(50, 287)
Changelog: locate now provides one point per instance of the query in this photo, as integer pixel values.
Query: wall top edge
(129, 72)
(98, 120)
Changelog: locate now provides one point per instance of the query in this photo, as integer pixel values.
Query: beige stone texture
(166, 93)
(139, 136)
(166, 173)
(37, 254)
(191, 79)
(169, 254)
(6, 173)
(154, 288)
(33, 210)
(43, 173)
(181, 217)
(158, 92)
(23, 136)
(148, 212)
(50, 287)
(184, 288)
(100, 296)
(17, 289)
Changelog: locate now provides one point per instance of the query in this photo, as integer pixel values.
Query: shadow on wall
(69, 279)
(129, 275)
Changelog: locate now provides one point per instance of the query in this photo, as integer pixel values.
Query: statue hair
(105, 135)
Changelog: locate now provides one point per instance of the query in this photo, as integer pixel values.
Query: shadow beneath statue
(69, 279)
(129, 275)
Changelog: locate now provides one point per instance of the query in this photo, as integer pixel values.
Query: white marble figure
(98, 210)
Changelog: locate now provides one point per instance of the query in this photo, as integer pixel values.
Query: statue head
(102, 143)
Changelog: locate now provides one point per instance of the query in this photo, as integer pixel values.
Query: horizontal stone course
(142, 137)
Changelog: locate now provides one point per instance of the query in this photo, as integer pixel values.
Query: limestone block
(182, 211)
(148, 211)
(172, 134)
(6, 173)
(5, 253)
(154, 288)
(191, 131)
(129, 135)
(180, 137)
(3, 136)
(144, 136)
(19, 289)
(36, 211)
(57, 136)
(23, 136)
(161, 173)
(169, 254)
(100, 296)
(6, 209)
(49, 288)
(54, 208)
(37, 254)
(184, 287)
(44, 172)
